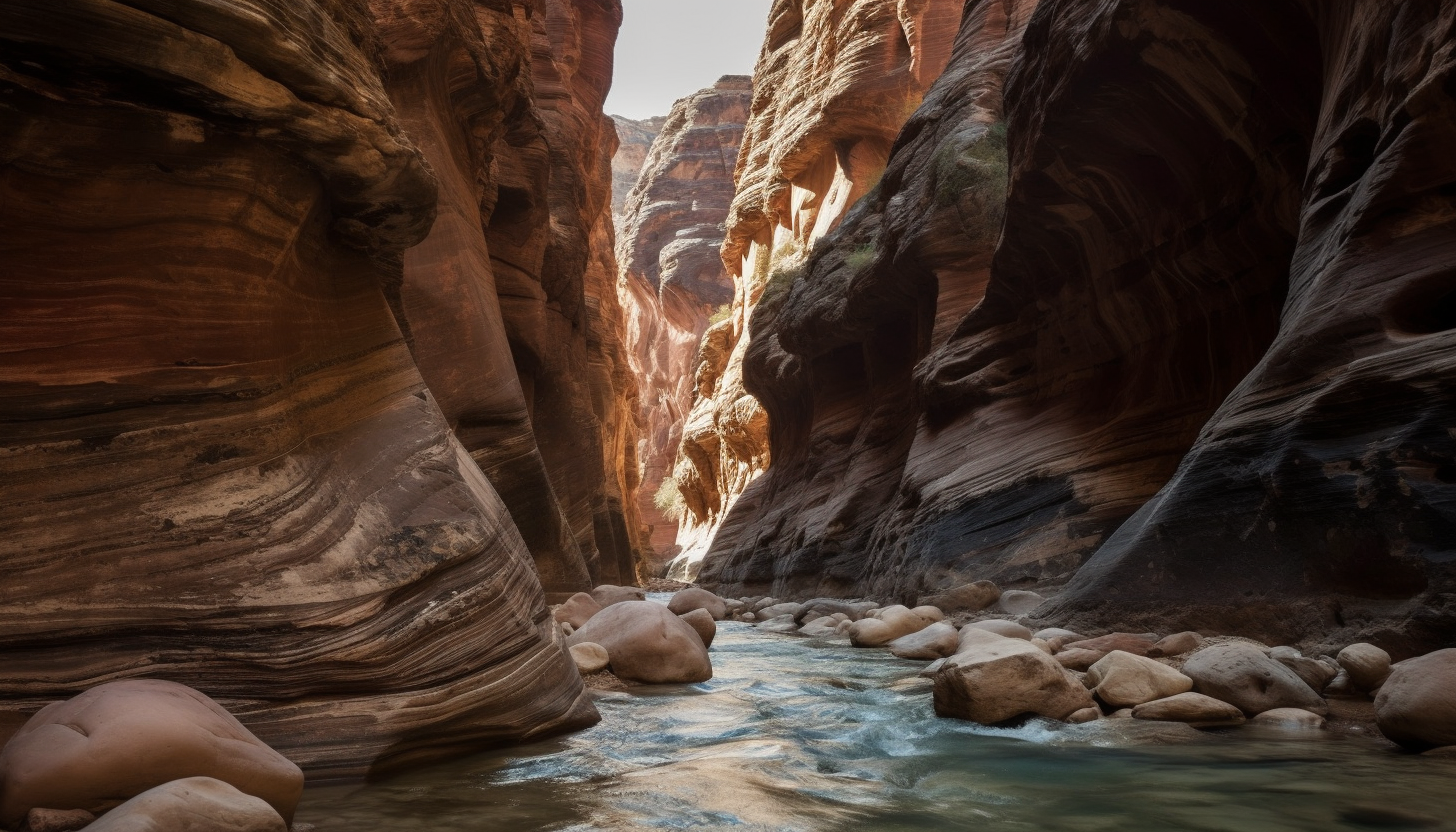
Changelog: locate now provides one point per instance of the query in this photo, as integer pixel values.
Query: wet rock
(1175, 645)
(820, 627)
(56, 820)
(890, 623)
(577, 610)
(853, 610)
(609, 594)
(1195, 709)
(702, 623)
(1121, 713)
(762, 604)
(1368, 665)
(1019, 601)
(1085, 715)
(119, 739)
(1057, 632)
(194, 804)
(994, 678)
(648, 643)
(590, 657)
(693, 598)
(937, 641)
(787, 608)
(1124, 680)
(1137, 644)
(932, 669)
(1446, 751)
(1244, 676)
(1295, 718)
(1079, 659)
(1416, 706)
(1001, 627)
(972, 597)
(779, 624)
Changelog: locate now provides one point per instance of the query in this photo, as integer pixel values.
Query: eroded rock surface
(673, 283)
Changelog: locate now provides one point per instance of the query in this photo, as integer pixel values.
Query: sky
(669, 49)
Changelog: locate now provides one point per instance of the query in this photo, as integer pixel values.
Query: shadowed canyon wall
(833, 84)
(1165, 330)
(673, 282)
(263, 314)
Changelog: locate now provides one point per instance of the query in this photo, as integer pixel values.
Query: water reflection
(796, 734)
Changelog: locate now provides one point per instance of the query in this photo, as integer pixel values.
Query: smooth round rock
(1191, 708)
(693, 598)
(1368, 665)
(892, 623)
(930, 613)
(1293, 718)
(1081, 660)
(1001, 627)
(1175, 645)
(972, 597)
(1244, 676)
(1019, 601)
(702, 623)
(194, 804)
(994, 678)
(120, 739)
(1123, 680)
(1057, 632)
(648, 643)
(577, 610)
(1416, 707)
(590, 657)
(1085, 715)
(608, 594)
(934, 642)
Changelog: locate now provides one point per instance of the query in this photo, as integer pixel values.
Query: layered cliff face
(634, 142)
(672, 280)
(1169, 325)
(834, 83)
(227, 290)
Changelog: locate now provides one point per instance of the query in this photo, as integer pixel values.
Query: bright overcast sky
(673, 48)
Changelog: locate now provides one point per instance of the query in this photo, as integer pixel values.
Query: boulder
(119, 739)
(1057, 632)
(892, 623)
(1292, 718)
(932, 669)
(1121, 713)
(1283, 654)
(972, 597)
(692, 598)
(1019, 601)
(609, 594)
(786, 608)
(194, 804)
(1416, 706)
(590, 657)
(1001, 627)
(779, 624)
(1085, 715)
(1042, 645)
(577, 610)
(1137, 644)
(930, 613)
(994, 678)
(819, 627)
(1079, 659)
(702, 623)
(853, 610)
(1244, 676)
(648, 643)
(1315, 673)
(1342, 687)
(1123, 680)
(762, 603)
(1195, 709)
(1175, 645)
(934, 642)
(57, 820)
(1367, 665)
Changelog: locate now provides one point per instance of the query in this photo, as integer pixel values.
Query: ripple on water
(805, 734)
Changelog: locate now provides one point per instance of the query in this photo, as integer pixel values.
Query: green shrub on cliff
(722, 314)
(979, 169)
(861, 258)
(669, 499)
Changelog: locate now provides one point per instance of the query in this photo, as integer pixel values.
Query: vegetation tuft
(669, 499)
(977, 172)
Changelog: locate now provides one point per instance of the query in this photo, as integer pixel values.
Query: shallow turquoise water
(799, 734)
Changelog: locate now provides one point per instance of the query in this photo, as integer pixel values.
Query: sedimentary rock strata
(673, 281)
(833, 84)
(634, 142)
(226, 290)
(1182, 341)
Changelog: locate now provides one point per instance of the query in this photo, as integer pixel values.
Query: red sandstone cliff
(262, 308)
(673, 282)
(1181, 345)
(834, 83)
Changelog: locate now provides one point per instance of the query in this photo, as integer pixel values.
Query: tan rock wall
(248, 365)
(672, 279)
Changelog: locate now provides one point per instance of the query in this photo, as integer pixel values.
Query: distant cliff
(673, 281)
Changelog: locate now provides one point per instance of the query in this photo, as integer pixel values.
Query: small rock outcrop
(647, 643)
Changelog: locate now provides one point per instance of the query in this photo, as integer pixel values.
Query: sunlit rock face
(1191, 361)
(673, 282)
(234, 258)
(833, 84)
(634, 142)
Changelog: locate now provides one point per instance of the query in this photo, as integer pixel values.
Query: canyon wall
(833, 84)
(267, 317)
(1165, 332)
(673, 282)
(634, 142)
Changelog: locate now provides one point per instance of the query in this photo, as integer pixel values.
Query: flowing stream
(806, 734)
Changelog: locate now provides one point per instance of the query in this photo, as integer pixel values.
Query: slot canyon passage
(960, 414)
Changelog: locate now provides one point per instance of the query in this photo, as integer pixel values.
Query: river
(807, 734)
